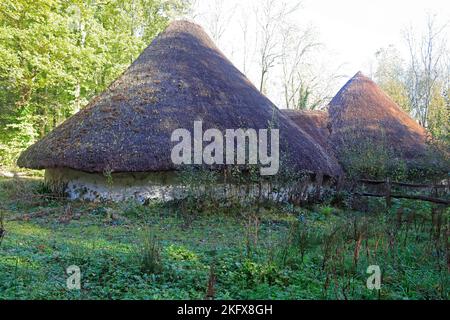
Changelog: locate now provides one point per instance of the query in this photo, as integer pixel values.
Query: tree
(271, 17)
(420, 84)
(424, 70)
(218, 19)
(244, 25)
(56, 55)
(390, 75)
(296, 46)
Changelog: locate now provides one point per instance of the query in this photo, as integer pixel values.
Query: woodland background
(55, 55)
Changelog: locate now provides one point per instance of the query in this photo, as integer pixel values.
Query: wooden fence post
(385, 191)
(388, 193)
(435, 190)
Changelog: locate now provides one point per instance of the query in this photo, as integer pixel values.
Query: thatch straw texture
(181, 77)
(313, 122)
(361, 110)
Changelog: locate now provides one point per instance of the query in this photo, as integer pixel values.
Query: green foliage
(362, 157)
(326, 210)
(396, 78)
(376, 160)
(180, 253)
(300, 253)
(132, 209)
(304, 99)
(56, 55)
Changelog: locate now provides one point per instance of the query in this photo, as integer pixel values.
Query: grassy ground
(128, 251)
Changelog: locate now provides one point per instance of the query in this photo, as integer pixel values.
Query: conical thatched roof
(362, 111)
(180, 78)
(313, 122)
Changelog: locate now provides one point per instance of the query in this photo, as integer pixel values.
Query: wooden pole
(388, 193)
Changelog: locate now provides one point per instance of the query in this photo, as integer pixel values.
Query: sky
(351, 31)
(355, 30)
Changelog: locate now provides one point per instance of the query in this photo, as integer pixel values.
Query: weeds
(261, 251)
(2, 227)
(210, 290)
(150, 254)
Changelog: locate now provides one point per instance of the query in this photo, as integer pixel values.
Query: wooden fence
(388, 185)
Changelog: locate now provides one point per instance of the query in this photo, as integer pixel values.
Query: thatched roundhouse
(125, 132)
(362, 115)
(367, 131)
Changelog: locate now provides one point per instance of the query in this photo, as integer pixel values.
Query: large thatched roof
(181, 77)
(362, 111)
(313, 122)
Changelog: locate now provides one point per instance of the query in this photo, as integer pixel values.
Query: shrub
(179, 253)
(326, 210)
(296, 243)
(254, 273)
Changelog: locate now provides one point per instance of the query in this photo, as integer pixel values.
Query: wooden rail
(388, 195)
(405, 196)
(404, 184)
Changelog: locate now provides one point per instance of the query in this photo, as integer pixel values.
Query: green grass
(294, 253)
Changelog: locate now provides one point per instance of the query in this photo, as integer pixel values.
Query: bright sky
(355, 30)
(351, 30)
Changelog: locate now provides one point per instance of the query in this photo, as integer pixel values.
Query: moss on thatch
(180, 78)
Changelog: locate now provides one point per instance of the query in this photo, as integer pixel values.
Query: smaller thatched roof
(313, 122)
(362, 111)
